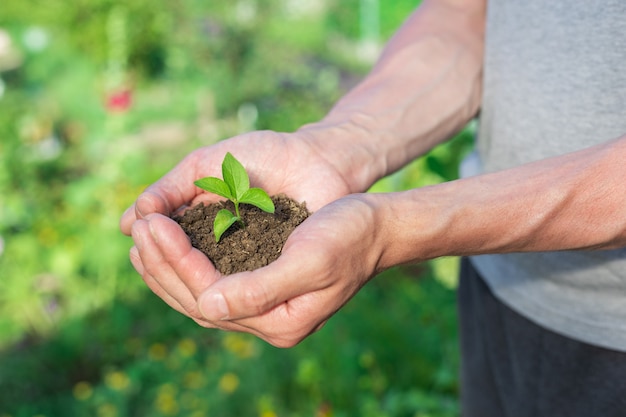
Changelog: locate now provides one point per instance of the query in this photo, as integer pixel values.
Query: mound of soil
(243, 248)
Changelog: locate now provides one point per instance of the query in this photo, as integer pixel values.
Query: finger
(127, 219)
(152, 200)
(135, 259)
(250, 294)
(191, 266)
(166, 283)
(156, 199)
(289, 323)
(156, 288)
(174, 189)
(156, 267)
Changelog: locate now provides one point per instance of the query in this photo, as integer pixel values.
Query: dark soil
(243, 248)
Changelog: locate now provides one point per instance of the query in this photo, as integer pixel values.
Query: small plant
(236, 187)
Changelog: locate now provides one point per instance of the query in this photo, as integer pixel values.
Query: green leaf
(259, 198)
(215, 186)
(223, 220)
(235, 176)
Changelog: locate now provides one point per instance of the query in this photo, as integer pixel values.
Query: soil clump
(243, 248)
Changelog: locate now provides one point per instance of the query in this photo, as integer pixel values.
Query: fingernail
(144, 205)
(135, 260)
(136, 236)
(138, 211)
(214, 307)
(127, 211)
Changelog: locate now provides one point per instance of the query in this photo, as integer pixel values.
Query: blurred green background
(99, 98)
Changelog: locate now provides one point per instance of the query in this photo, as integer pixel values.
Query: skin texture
(424, 88)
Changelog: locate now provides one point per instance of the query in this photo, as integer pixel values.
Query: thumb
(237, 296)
(148, 202)
(250, 294)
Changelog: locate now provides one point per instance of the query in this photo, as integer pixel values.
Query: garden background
(98, 99)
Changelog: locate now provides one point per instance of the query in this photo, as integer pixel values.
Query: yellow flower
(187, 347)
(268, 414)
(229, 382)
(166, 401)
(48, 235)
(117, 380)
(82, 391)
(168, 388)
(157, 352)
(367, 359)
(193, 380)
(241, 345)
(107, 410)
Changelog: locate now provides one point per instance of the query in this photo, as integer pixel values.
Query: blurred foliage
(142, 358)
(101, 97)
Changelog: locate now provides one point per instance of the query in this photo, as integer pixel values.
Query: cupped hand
(324, 263)
(276, 162)
(180, 274)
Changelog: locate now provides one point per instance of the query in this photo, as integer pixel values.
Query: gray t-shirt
(555, 82)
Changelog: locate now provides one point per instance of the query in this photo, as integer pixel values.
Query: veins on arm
(569, 202)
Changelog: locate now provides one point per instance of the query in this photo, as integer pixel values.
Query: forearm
(424, 88)
(574, 201)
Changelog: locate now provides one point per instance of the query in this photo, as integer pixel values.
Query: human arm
(424, 88)
(570, 202)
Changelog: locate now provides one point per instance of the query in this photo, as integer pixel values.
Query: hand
(325, 261)
(277, 162)
(174, 270)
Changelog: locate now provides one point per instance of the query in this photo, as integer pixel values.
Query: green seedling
(236, 187)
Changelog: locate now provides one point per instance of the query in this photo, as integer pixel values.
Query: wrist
(347, 146)
(416, 225)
